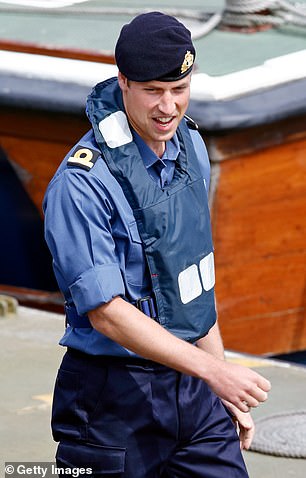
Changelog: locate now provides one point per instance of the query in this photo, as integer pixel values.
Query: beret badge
(188, 62)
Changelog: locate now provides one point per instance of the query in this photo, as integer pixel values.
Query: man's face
(155, 108)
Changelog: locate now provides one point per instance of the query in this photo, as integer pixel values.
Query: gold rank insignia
(188, 62)
(83, 157)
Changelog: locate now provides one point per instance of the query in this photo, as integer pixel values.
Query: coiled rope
(248, 13)
(236, 13)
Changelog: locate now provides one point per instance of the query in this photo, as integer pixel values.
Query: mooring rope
(262, 12)
(239, 13)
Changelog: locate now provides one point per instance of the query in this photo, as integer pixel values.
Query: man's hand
(128, 326)
(245, 425)
(242, 387)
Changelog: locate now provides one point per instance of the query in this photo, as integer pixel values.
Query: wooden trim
(57, 127)
(234, 143)
(51, 301)
(71, 53)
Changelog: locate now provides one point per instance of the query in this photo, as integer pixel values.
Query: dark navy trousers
(138, 419)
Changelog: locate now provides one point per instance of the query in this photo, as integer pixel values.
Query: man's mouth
(164, 120)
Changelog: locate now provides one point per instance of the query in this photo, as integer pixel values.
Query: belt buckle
(148, 299)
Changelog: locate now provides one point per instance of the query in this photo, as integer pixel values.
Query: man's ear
(123, 81)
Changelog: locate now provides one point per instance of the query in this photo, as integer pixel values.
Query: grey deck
(29, 360)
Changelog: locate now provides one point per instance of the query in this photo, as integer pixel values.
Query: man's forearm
(126, 325)
(212, 342)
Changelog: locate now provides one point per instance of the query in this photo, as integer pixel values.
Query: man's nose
(166, 104)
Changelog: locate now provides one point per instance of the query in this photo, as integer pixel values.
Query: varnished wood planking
(275, 333)
(273, 173)
(42, 125)
(38, 161)
(259, 224)
(230, 144)
(261, 287)
(36, 143)
(271, 229)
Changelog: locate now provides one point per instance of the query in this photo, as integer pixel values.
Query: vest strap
(145, 304)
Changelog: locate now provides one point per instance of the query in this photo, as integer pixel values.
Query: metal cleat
(8, 306)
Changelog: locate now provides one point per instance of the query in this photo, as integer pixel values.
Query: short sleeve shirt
(93, 237)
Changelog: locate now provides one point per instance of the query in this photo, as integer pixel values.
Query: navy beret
(154, 46)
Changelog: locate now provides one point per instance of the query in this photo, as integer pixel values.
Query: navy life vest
(173, 222)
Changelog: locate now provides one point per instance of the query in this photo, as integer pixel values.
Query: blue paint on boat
(25, 260)
(295, 357)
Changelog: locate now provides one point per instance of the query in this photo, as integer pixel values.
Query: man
(143, 390)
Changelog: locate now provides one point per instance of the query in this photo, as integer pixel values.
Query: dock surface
(29, 360)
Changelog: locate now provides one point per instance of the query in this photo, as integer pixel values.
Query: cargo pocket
(65, 412)
(95, 460)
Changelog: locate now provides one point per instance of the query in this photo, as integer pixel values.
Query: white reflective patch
(207, 270)
(115, 130)
(189, 284)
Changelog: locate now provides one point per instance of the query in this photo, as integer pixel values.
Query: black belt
(145, 304)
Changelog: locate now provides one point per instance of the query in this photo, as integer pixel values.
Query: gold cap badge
(188, 62)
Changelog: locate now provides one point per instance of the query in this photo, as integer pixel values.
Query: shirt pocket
(135, 261)
(134, 234)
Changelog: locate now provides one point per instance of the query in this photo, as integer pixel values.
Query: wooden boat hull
(258, 213)
(36, 142)
(259, 225)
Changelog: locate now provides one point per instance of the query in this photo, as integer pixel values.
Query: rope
(248, 6)
(204, 22)
(282, 434)
(247, 13)
(251, 20)
(290, 19)
(240, 13)
(95, 11)
(206, 27)
(292, 8)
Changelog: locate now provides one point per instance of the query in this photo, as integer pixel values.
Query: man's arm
(212, 343)
(126, 325)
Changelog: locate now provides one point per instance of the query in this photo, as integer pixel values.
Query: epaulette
(83, 157)
(190, 123)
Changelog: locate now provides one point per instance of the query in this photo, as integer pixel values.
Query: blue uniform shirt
(164, 171)
(92, 235)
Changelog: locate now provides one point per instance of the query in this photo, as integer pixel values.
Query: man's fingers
(246, 438)
(246, 406)
(259, 393)
(243, 405)
(264, 384)
(252, 399)
(256, 397)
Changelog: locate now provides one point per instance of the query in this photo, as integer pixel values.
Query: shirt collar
(149, 157)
